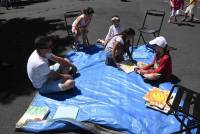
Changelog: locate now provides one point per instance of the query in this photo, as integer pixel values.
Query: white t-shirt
(37, 69)
(112, 42)
(113, 31)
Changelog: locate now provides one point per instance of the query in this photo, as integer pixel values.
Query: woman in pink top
(79, 26)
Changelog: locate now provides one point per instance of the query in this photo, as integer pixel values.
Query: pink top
(81, 22)
(176, 4)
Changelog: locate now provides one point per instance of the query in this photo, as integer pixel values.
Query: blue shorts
(51, 86)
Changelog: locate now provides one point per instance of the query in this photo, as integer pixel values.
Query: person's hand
(118, 65)
(142, 72)
(66, 77)
(136, 69)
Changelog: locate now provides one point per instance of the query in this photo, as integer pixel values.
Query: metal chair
(152, 24)
(68, 26)
(185, 108)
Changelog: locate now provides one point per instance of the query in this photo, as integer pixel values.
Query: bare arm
(114, 51)
(108, 36)
(64, 62)
(55, 76)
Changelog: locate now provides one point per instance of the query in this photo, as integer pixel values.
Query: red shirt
(176, 4)
(164, 66)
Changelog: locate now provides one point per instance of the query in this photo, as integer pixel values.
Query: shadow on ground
(17, 43)
(20, 3)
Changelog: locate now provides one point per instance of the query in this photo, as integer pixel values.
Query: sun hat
(159, 41)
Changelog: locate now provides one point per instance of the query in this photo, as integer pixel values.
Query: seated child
(79, 26)
(114, 29)
(161, 67)
(117, 46)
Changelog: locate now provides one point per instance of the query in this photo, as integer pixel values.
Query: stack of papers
(127, 66)
(33, 113)
(156, 99)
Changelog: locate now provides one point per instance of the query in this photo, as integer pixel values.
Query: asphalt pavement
(20, 26)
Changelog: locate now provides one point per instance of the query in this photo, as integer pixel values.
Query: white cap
(159, 41)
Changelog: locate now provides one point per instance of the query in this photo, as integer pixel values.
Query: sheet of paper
(127, 66)
(66, 112)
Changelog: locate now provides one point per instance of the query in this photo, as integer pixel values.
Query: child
(79, 26)
(114, 29)
(191, 10)
(175, 6)
(117, 46)
(160, 69)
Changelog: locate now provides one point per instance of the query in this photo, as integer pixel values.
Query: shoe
(169, 21)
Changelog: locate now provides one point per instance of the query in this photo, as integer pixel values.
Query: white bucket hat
(159, 41)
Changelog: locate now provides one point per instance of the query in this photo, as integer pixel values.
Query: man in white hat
(161, 67)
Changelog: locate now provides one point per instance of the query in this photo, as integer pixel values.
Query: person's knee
(68, 85)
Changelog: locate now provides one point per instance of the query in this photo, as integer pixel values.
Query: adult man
(161, 67)
(49, 79)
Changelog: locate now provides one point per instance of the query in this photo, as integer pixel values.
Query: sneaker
(169, 21)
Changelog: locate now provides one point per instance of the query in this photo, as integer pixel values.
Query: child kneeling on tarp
(118, 46)
(161, 67)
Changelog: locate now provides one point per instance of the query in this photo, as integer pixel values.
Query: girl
(79, 26)
(114, 29)
(175, 6)
(117, 46)
(160, 69)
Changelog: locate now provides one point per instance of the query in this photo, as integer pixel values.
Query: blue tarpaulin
(106, 96)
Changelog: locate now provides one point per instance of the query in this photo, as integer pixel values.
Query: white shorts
(174, 12)
(191, 9)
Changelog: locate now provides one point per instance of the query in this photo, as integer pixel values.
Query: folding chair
(185, 108)
(152, 24)
(68, 26)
